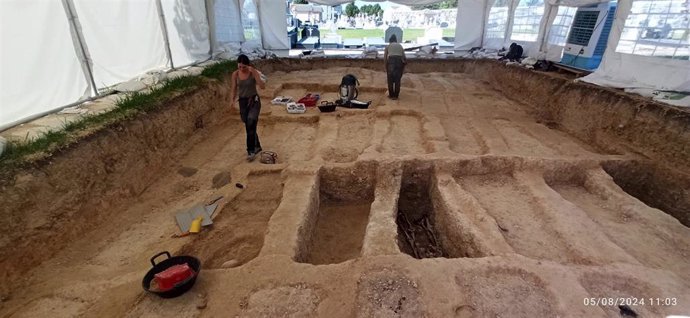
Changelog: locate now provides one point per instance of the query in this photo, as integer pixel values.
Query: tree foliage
(445, 4)
(300, 2)
(351, 10)
(371, 10)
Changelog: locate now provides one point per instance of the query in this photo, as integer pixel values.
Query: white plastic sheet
(273, 22)
(636, 71)
(40, 70)
(187, 31)
(469, 25)
(124, 38)
(228, 23)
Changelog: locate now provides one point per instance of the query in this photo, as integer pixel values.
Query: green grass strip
(19, 152)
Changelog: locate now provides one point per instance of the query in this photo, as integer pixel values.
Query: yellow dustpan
(195, 227)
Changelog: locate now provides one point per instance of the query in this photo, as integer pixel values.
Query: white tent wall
(124, 38)
(227, 24)
(636, 71)
(39, 69)
(556, 32)
(273, 22)
(470, 21)
(495, 29)
(250, 22)
(188, 31)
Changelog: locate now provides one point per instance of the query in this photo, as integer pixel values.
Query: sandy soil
(531, 223)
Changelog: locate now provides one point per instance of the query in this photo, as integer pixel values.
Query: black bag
(514, 52)
(348, 88)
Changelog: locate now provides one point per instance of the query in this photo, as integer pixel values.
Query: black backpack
(514, 52)
(348, 88)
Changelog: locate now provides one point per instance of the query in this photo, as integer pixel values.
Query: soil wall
(45, 206)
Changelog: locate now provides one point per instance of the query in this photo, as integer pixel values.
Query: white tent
(617, 69)
(55, 53)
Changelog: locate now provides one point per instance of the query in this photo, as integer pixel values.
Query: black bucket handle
(153, 259)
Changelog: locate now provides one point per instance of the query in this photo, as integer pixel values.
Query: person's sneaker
(251, 157)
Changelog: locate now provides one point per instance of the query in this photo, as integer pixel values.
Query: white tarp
(188, 30)
(124, 38)
(637, 71)
(40, 69)
(227, 21)
(469, 25)
(273, 23)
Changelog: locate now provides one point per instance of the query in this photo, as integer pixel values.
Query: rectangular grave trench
(658, 187)
(418, 235)
(345, 197)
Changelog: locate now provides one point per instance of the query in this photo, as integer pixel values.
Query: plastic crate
(295, 108)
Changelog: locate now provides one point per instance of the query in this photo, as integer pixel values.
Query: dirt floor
(457, 200)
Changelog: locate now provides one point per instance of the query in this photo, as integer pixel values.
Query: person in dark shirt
(244, 82)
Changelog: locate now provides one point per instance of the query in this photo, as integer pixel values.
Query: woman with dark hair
(394, 59)
(244, 82)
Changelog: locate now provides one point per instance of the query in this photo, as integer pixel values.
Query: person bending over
(394, 59)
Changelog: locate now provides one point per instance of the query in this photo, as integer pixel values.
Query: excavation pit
(417, 234)
(237, 235)
(342, 215)
(524, 200)
(654, 185)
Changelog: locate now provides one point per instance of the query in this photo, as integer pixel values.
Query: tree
(371, 10)
(366, 9)
(377, 9)
(445, 4)
(351, 10)
(300, 2)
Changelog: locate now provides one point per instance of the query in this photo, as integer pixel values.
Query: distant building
(315, 13)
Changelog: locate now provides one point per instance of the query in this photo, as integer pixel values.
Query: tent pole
(164, 28)
(543, 33)
(211, 20)
(258, 5)
(82, 51)
(484, 21)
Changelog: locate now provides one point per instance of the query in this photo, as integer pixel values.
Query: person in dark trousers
(394, 59)
(244, 82)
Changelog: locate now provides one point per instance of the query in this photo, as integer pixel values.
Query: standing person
(394, 59)
(244, 82)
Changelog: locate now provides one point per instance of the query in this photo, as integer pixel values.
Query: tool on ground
(185, 218)
(268, 157)
(195, 227)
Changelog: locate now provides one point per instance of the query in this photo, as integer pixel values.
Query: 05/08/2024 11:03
(630, 301)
